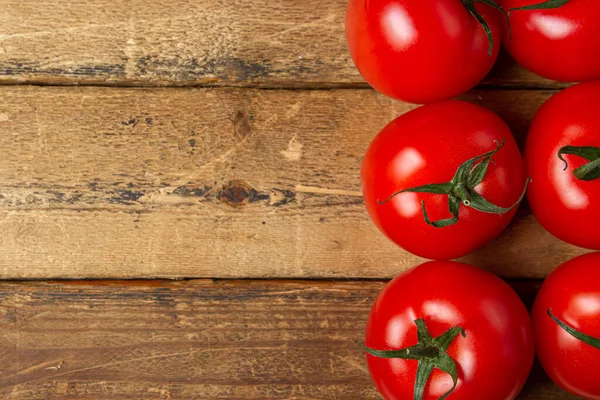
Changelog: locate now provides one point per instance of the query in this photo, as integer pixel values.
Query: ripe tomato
(572, 294)
(430, 146)
(472, 324)
(567, 127)
(560, 43)
(422, 51)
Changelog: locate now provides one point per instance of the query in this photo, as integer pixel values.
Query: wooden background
(216, 142)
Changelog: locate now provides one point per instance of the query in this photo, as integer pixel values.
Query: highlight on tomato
(448, 329)
(556, 39)
(566, 322)
(426, 50)
(444, 179)
(562, 154)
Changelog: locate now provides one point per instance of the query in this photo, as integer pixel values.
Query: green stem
(430, 353)
(461, 190)
(470, 6)
(549, 4)
(592, 341)
(589, 171)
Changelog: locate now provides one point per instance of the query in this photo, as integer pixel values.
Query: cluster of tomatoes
(447, 177)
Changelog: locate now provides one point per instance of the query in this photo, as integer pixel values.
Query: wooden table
(180, 201)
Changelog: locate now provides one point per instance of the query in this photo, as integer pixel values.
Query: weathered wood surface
(130, 183)
(229, 183)
(269, 43)
(192, 340)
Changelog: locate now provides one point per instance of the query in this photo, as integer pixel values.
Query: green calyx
(592, 341)
(461, 190)
(589, 171)
(470, 5)
(430, 353)
(549, 4)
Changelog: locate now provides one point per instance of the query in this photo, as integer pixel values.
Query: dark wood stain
(12, 67)
(178, 68)
(125, 196)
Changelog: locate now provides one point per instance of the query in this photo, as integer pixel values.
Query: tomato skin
(493, 359)
(426, 146)
(572, 291)
(421, 51)
(562, 44)
(562, 204)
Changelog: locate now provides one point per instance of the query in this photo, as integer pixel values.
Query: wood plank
(268, 43)
(130, 183)
(189, 340)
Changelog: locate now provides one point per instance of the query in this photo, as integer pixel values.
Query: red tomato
(427, 146)
(558, 43)
(421, 51)
(564, 204)
(492, 360)
(572, 293)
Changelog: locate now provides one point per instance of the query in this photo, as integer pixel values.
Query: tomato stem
(470, 6)
(589, 171)
(461, 190)
(430, 353)
(592, 341)
(549, 4)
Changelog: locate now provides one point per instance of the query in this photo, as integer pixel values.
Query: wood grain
(191, 340)
(229, 183)
(130, 183)
(267, 43)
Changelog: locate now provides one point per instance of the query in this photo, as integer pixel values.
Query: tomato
(422, 51)
(428, 146)
(572, 295)
(563, 203)
(561, 43)
(448, 299)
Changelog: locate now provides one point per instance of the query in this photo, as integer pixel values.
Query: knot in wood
(242, 124)
(238, 193)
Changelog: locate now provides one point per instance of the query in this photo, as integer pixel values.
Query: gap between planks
(266, 86)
